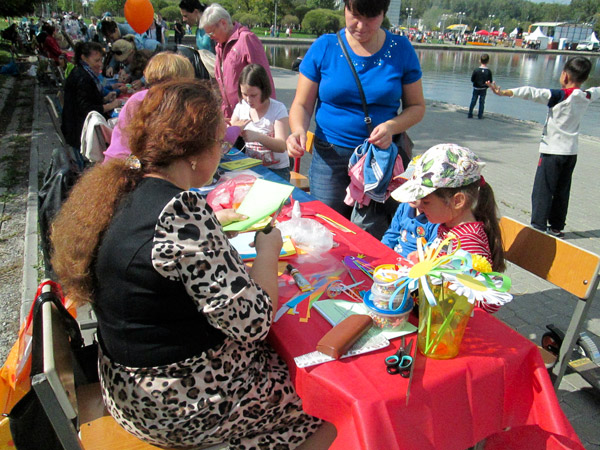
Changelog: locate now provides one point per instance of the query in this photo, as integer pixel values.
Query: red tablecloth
(498, 381)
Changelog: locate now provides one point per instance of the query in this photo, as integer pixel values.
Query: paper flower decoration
(458, 266)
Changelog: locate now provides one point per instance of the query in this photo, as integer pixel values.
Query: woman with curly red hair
(181, 322)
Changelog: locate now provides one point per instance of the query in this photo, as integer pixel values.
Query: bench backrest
(563, 264)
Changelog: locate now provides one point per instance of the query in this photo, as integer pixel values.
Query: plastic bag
(14, 374)
(307, 234)
(230, 193)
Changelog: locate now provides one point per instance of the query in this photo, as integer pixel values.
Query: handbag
(402, 140)
(28, 414)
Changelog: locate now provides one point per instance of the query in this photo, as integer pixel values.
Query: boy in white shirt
(559, 144)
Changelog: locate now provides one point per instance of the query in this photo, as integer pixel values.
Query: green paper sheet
(239, 164)
(263, 199)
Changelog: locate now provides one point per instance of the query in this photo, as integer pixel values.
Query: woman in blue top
(390, 74)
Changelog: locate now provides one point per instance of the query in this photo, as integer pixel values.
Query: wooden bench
(563, 264)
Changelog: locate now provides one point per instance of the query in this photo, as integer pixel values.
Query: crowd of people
(182, 321)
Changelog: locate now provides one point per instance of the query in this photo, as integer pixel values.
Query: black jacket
(81, 97)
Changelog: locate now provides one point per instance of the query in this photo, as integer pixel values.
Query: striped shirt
(472, 239)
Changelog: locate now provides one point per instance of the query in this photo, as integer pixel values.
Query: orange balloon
(139, 14)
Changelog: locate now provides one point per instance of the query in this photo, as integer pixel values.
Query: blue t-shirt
(339, 113)
(402, 234)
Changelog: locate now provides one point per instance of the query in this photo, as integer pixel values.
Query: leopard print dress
(239, 393)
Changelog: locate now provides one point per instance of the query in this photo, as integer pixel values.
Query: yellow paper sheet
(262, 200)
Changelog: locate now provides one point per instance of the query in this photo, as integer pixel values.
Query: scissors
(336, 287)
(401, 361)
(271, 224)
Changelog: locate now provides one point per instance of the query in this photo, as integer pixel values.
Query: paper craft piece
(334, 311)
(239, 164)
(262, 200)
(367, 343)
(242, 242)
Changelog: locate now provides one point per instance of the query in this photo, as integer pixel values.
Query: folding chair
(563, 264)
(296, 178)
(55, 117)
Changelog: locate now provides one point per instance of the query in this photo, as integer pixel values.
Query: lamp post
(491, 17)
(409, 12)
(460, 18)
(444, 17)
(275, 24)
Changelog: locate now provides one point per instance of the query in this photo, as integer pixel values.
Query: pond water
(447, 78)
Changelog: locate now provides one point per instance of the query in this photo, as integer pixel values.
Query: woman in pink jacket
(236, 47)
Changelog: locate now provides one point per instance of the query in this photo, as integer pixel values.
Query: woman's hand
(296, 144)
(270, 243)
(381, 136)
(109, 72)
(227, 216)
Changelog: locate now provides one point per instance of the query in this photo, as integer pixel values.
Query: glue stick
(301, 282)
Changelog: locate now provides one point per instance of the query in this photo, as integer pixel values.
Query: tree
(289, 19)
(320, 21)
(12, 8)
(170, 13)
(248, 19)
(322, 4)
(115, 7)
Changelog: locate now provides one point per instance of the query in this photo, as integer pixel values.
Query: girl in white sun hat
(447, 186)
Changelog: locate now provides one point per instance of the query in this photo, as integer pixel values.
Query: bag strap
(69, 322)
(363, 99)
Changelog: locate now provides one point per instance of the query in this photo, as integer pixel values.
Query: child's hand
(251, 136)
(240, 123)
(494, 87)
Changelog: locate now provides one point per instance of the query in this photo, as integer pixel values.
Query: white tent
(536, 35)
(593, 39)
(513, 33)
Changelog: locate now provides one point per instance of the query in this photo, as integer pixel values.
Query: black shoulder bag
(402, 141)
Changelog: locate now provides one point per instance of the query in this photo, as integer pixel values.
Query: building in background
(394, 13)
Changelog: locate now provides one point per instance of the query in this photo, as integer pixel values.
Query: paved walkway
(510, 149)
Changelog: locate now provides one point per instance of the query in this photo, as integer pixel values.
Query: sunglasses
(117, 52)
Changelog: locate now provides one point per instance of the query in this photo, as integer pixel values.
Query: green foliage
(321, 4)
(248, 19)
(171, 13)
(300, 11)
(290, 19)
(160, 4)
(115, 7)
(320, 21)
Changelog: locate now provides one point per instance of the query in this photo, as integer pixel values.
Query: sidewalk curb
(30, 250)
